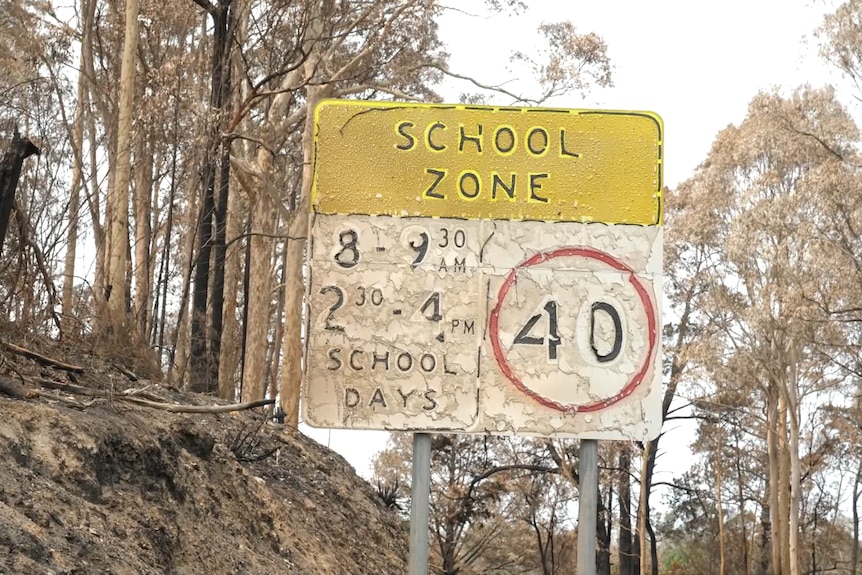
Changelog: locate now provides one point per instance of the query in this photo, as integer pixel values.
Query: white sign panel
(485, 270)
(544, 328)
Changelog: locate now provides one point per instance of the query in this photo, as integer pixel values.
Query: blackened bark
(603, 534)
(219, 258)
(10, 172)
(203, 357)
(651, 448)
(740, 487)
(246, 290)
(854, 551)
(199, 376)
(645, 507)
(220, 245)
(625, 501)
(653, 547)
(765, 562)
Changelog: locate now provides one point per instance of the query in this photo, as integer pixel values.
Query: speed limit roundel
(626, 351)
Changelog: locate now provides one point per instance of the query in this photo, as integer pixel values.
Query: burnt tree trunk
(604, 529)
(646, 534)
(625, 499)
(226, 24)
(765, 563)
(10, 172)
(219, 261)
(215, 173)
(854, 550)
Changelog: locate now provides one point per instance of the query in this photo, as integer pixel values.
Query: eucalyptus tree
(841, 41)
(498, 504)
(468, 498)
(197, 124)
(32, 48)
(756, 204)
(687, 261)
(115, 317)
(290, 54)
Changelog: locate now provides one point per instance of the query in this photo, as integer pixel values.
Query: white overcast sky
(696, 63)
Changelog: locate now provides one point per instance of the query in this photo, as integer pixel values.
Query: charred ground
(93, 483)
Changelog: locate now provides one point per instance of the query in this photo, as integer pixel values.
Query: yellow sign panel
(482, 162)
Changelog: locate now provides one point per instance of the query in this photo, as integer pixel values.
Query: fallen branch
(43, 359)
(69, 388)
(79, 405)
(138, 391)
(145, 393)
(172, 407)
(127, 372)
(13, 389)
(179, 408)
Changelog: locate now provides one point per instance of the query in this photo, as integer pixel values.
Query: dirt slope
(99, 485)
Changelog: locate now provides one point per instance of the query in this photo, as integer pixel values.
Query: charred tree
(604, 531)
(204, 350)
(624, 494)
(10, 172)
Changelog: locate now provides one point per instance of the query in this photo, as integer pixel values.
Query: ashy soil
(91, 483)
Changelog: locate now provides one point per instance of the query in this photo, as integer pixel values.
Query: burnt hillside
(95, 480)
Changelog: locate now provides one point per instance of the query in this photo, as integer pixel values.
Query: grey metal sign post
(420, 495)
(588, 473)
(477, 269)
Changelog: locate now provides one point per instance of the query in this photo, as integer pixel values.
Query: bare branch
(43, 359)
(180, 408)
(171, 407)
(207, 6)
(358, 89)
(247, 175)
(498, 89)
(362, 55)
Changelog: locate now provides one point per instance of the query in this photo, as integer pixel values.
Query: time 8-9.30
(419, 241)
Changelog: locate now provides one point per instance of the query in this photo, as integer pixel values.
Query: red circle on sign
(594, 254)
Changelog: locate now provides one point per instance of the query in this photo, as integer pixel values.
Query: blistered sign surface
(485, 322)
(481, 162)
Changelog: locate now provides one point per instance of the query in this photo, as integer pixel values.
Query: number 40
(553, 339)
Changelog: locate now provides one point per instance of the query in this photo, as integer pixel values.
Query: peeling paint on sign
(484, 162)
(483, 326)
(485, 270)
